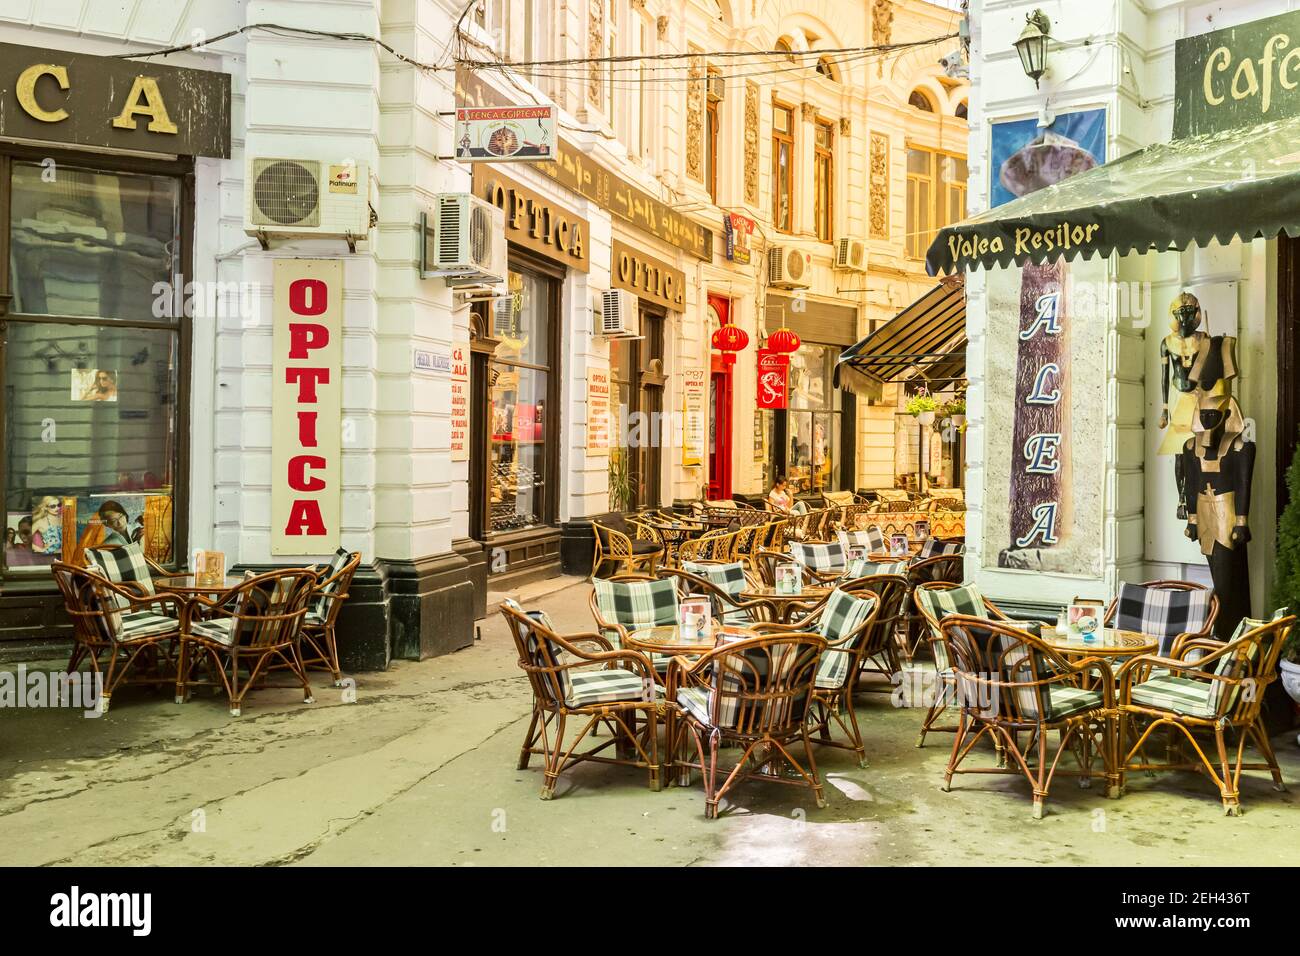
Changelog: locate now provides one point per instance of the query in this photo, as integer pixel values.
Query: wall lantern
(1032, 45)
(783, 340)
(730, 339)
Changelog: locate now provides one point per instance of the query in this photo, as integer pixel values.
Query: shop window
(936, 196)
(636, 401)
(91, 362)
(919, 100)
(521, 431)
(813, 420)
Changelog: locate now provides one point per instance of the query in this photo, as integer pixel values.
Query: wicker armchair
(245, 630)
(722, 585)
(943, 568)
(581, 676)
(845, 622)
(1010, 683)
(754, 693)
(320, 643)
(629, 548)
(881, 649)
(116, 626)
(893, 507)
(1187, 612)
(1204, 688)
(717, 545)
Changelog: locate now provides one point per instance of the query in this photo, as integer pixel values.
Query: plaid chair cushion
(122, 565)
(864, 568)
(1161, 613)
(145, 623)
(219, 629)
(933, 547)
(840, 615)
(321, 606)
(819, 557)
(873, 539)
(1024, 664)
(1182, 695)
(533, 646)
(962, 600)
(1067, 701)
(637, 604)
(729, 578)
(732, 676)
(603, 687)
(1240, 664)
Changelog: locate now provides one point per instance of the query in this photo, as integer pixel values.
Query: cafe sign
(75, 99)
(647, 277)
(1237, 77)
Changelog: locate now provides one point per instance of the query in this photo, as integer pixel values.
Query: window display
(519, 378)
(90, 395)
(813, 420)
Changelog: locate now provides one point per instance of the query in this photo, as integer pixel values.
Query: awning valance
(928, 338)
(1242, 183)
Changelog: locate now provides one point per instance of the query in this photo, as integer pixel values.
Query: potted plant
(956, 410)
(620, 483)
(922, 407)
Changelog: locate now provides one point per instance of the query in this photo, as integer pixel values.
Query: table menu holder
(695, 618)
(209, 568)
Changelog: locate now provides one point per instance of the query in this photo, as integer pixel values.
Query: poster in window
(597, 411)
(460, 401)
(1024, 157)
(94, 385)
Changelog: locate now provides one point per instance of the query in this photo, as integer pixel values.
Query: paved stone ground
(421, 770)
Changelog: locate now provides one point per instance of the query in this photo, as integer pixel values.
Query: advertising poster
(505, 134)
(1025, 157)
(459, 401)
(306, 405)
(597, 411)
(694, 381)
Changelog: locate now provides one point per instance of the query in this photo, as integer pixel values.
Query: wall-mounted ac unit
(620, 316)
(851, 254)
(465, 243)
(308, 198)
(717, 90)
(788, 268)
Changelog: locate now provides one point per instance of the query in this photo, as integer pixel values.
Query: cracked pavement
(421, 770)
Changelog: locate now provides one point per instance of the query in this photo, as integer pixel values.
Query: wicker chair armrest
(572, 642)
(773, 627)
(1186, 642)
(1124, 677)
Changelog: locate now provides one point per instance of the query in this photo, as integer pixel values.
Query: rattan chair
(245, 630)
(1204, 688)
(754, 693)
(727, 606)
(943, 568)
(881, 650)
(320, 647)
(1168, 632)
(630, 552)
(1011, 684)
(719, 545)
(845, 622)
(116, 626)
(576, 676)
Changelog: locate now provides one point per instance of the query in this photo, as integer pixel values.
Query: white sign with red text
(306, 406)
(460, 423)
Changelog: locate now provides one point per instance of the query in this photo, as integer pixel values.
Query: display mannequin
(1178, 352)
(1214, 477)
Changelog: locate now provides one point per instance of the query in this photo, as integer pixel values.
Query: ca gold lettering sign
(1237, 77)
(535, 222)
(648, 278)
(82, 100)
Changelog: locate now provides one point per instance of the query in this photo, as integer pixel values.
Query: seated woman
(779, 498)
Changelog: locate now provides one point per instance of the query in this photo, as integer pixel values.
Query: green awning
(1239, 183)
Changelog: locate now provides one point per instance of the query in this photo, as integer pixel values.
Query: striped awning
(927, 339)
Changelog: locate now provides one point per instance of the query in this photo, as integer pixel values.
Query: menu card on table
(1084, 618)
(899, 546)
(209, 568)
(695, 618)
(921, 529)
(789, 579)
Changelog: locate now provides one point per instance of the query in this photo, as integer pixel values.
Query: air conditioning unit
(717, 91)
(619, 315)
(788, 268)
(851, 254)
(466, 242)
(308, 198)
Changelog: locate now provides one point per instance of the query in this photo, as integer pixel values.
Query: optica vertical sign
(306, 406)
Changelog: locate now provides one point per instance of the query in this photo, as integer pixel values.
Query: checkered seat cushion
(145, 623)
(1066, 701)
(873, 539)
(636, 604)
(865, 568)
(219, 629)
(819, 557)
(841, 615)
(730, 579)
(963, 600)
(586, 687)
(731, 676)
(1161, 613)
(933, 547)
(122, 565)
(318, 610)
(1182, 695)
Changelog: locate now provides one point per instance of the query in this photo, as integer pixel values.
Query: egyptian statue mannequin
(1178, 352)
(1214, 475)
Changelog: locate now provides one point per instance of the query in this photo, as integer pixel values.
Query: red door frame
(720, 413)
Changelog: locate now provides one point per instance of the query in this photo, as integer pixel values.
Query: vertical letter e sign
(306, 405)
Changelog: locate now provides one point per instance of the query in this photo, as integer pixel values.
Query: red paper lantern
(730, 338)
(783, 340)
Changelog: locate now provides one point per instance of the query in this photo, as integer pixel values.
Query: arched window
(785, 47)
(827, 69)
(921, 101)
(961, 111)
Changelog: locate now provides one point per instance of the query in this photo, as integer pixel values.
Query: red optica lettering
(305, 518)
(299, 480)
(307, 429)
(307, 379)
(304, 336)
(308, 296)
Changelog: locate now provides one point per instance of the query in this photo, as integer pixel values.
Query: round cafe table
(785, 604)
(1108, 643)
(188, 585)
(669, 639)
